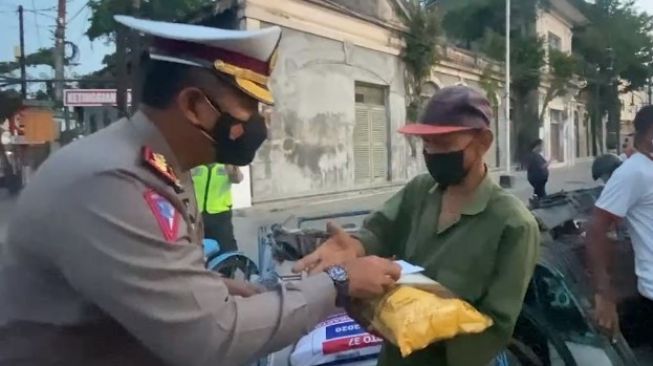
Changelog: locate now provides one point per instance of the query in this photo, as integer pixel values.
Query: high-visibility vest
(212, 188)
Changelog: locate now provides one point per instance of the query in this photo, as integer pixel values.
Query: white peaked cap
(247, 56)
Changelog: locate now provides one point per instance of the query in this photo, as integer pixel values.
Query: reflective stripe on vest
(212, 188)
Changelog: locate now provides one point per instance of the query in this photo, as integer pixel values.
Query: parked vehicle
(229, 264)
(555, 327)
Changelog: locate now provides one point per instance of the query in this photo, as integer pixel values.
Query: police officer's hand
(371, 276)
(242, 288)
(340, 248)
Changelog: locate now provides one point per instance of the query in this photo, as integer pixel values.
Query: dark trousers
(220, 228)
(636, 321)
(539, 187)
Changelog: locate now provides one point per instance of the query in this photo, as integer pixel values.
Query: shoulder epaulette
(157, 162)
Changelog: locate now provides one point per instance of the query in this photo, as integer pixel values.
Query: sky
(39, 22)
(39, 32)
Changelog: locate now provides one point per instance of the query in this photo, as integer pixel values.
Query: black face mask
(446, 168)
(240, 151)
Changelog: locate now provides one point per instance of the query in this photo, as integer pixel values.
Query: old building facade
(339, 86)
(565, 127)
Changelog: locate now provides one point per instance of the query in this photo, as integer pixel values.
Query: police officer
(103, 263)
(212, 184)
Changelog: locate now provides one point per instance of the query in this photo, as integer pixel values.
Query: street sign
(92, 97)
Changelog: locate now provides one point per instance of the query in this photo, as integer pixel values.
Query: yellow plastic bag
(413, 316)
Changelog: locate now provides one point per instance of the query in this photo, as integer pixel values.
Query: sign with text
(92, 97)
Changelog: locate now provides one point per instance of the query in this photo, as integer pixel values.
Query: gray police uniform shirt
(103, 265)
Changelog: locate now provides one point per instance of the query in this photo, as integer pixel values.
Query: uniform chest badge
(165, 213)
(158, 163)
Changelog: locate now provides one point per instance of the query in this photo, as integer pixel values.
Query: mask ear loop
(216, 108)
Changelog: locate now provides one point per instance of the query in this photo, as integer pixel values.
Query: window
(557, 124)
(555, 42)
(370, 94)
(370, 135)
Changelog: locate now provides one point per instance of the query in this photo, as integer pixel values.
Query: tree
(103, 25)
(616, 49)
(562, 70)
(419, 55)
(479, 25)
(43, 56)
(102, 12)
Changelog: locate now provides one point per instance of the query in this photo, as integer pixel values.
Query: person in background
(212, 185)
(628, 195)
(537, 169)
(627, 150)
(465, 231)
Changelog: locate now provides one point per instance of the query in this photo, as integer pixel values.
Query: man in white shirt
(628, 196)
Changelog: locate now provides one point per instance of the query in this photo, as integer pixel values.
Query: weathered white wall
(551, 22)
(310, 150)
(631, 103)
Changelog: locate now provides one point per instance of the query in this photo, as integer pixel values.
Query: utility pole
(507, 180)
(21, 59)
(59, 50)
(121, 72)
(507, 102)
(135, 60)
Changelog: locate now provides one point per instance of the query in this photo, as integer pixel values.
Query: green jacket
(487, 258)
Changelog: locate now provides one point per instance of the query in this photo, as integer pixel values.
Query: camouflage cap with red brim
(452, 109)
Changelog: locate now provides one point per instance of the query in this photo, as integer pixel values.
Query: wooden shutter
(370, 135)
(378, 139)
(362, 145)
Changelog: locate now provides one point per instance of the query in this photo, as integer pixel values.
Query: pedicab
(556, 324)
(338, 340)
(555, 327)
(230, 264)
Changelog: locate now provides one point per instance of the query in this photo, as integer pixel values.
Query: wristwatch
(340, 278)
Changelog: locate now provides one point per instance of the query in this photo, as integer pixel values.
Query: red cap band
(178, 48)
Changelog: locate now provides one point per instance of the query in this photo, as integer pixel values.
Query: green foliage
(527, 60)
(103, 25)
(618, 27)
(421, 37)
(44, 56)
(616, 50)
(562, 66)
(490, 85)
(420, 55)
(562, 70)
(479, 25)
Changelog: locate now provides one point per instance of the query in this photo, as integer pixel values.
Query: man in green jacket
(468, 233)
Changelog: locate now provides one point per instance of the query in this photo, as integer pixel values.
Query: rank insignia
(165, 213)
(158, 163)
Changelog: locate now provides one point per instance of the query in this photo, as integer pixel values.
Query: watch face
(338, 273)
